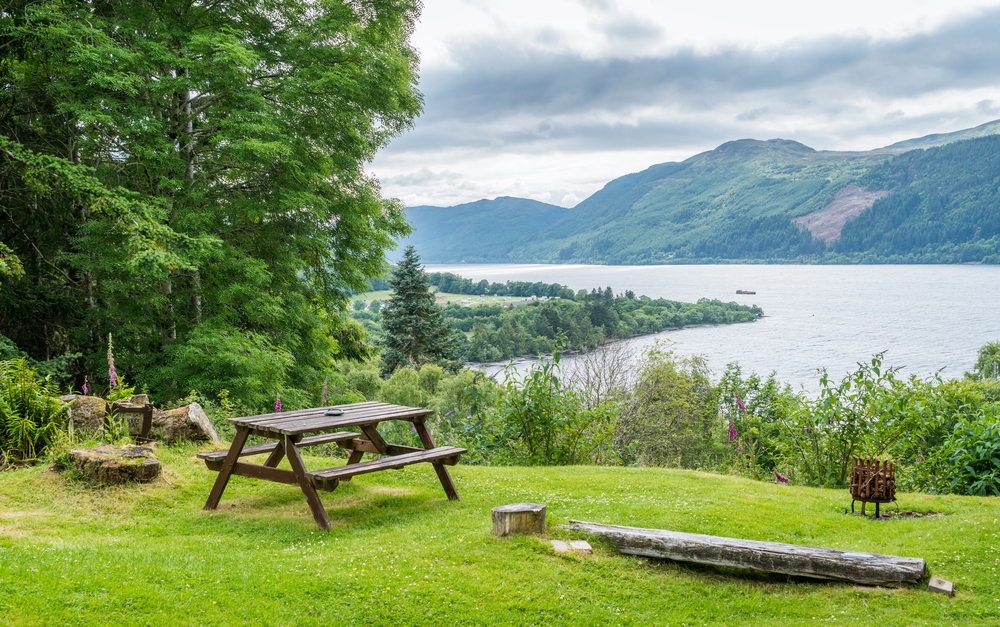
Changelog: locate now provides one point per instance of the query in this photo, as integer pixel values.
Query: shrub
(30, 415)
(670, 417)
(969, 460)
(535, 420)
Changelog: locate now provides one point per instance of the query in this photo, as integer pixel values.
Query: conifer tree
(415, 330)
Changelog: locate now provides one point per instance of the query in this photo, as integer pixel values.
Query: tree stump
(518, 518)
(114, 465)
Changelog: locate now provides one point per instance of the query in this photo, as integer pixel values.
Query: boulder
(115, 465)
(184, 423)
(87, 413)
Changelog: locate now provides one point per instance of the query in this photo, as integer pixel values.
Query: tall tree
(415, 330)
(190, 176)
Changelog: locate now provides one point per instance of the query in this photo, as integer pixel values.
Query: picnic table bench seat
(328, 478)
(315, 440)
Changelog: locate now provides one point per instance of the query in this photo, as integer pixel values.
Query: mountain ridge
(746, 200)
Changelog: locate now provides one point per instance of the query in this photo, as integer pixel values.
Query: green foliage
(849, 418)
(671, 416)
(183, 170)
(415, 331)
(757, 410)
(534, 420)
(987, 362)
(968, 462)
(30, 416)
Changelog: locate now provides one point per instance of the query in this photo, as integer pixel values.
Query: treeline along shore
(490, 329)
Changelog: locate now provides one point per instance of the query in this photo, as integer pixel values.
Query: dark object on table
(334, 412)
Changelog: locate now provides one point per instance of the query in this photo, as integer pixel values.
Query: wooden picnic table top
(315, 419)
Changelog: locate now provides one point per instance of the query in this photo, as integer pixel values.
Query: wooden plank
(442, 473)
(306, 484)
(788, 559)
(326, 438)
(303, 421)
(389, 463)
(227, 468)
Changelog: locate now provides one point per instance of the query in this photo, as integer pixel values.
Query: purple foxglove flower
(739, 448)
(809, 430)
(112, 373)
(277, 403)
(739, 402)
(780, 478)
(84, 389)
(732, 432)
(324, 391)
(413, 427)
(449, 413)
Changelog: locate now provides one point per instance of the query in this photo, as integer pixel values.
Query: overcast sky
(551, 99)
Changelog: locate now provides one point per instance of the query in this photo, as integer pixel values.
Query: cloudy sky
(551, 99)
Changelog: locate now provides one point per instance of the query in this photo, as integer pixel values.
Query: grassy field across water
(401, 554)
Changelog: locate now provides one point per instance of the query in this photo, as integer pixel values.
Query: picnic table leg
(442, 472)
(295, 460)
(227, 467)
(276, 455)
(354, 459)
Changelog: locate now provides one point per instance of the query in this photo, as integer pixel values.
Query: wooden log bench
(328, 478)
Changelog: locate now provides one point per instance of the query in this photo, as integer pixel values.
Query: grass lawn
(401, 554)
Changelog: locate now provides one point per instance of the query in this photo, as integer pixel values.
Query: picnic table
(290, 429)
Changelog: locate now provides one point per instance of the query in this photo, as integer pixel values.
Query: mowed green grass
(401, 554)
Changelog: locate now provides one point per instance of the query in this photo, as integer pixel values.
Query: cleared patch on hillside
(849, 202)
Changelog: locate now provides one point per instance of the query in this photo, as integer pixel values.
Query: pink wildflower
(277, 404)
(112, 373)
(84, 388)
(739, 448)
(739, 402)
(732, 432)
(324, 391)
(780, 478)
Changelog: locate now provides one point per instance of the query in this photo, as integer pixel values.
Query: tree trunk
(788, 559)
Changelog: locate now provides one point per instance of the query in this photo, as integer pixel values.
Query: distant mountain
(478, 231)
(772, 200)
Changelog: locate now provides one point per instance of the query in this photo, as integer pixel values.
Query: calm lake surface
(926, 317)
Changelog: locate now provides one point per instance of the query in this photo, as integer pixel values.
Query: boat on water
(745, 292)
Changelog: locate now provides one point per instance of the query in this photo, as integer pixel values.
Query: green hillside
(737, 202)
(462, 232)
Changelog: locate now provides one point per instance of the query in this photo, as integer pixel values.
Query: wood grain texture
(789, 559)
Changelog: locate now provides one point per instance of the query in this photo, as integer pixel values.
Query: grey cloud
(752, 114)
(988, 107)
(500, 79)
(898, 113)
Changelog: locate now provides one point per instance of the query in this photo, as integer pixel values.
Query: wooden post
(518, 518)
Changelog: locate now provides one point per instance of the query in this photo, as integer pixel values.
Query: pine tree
(415, 330)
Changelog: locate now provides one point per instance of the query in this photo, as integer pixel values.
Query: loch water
(927, 318)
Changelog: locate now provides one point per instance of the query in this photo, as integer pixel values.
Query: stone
(138, 399)
(87, 413)
(115, 465)
(183, 423)
(581, 545)
(518, 518)
(560, 546)
(941, 586)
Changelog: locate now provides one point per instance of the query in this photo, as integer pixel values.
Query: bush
(756, 411)
(670, 417)
(30, 415)
(534, 420)
(969, 460)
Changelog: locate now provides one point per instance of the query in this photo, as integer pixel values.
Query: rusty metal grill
(872, 481)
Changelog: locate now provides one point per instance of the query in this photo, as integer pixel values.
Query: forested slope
(737, 202)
